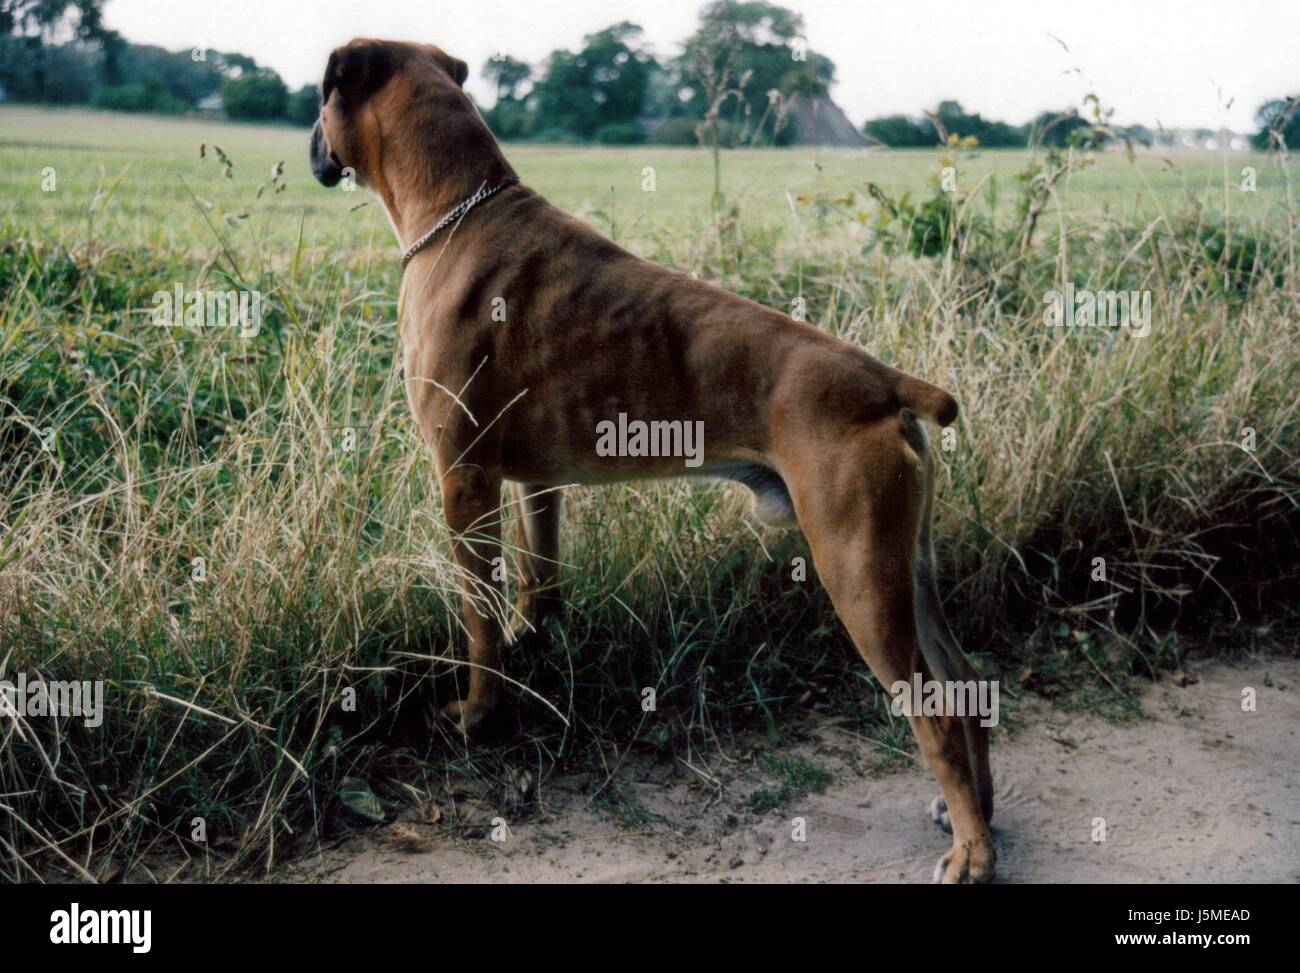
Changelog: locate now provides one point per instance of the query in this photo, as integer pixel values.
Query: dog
(523, 330)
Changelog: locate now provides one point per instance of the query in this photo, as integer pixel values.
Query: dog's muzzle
(324, 164)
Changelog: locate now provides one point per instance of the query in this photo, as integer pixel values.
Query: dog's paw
(939, 814)
(973, 863)
(479, 724)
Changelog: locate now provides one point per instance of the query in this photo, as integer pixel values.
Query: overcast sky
(1174, 61)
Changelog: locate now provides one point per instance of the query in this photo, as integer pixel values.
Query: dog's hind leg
(859, 494)
(537, 554)
(938, 641)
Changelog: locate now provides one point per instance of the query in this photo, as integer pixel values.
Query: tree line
(57, 52)
(731, 85)
(734, 77)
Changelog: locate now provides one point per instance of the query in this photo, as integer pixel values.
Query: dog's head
(378, 98)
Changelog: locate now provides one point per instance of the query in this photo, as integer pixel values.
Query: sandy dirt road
(1199, 791)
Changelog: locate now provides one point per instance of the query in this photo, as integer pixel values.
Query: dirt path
(1200, 791)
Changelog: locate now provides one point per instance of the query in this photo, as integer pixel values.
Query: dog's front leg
(538, 554)
(471, 501)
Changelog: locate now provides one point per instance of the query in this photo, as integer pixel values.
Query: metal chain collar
(463, 207)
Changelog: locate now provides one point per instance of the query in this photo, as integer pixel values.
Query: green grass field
(180, 516)
(155, 158)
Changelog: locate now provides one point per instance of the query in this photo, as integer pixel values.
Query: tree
(753, 48)
(509, 74)
(176, 71)
(901, 132)
(81, 19)
(33, 64)
(603, 84)
(1055, 128)
(31, 71)
(304, 105)
(1279, 122)
(136, 97)
(255, 95)
(955, 120)
(509, 116)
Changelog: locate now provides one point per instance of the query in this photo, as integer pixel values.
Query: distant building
(819, 121)
(211, 105)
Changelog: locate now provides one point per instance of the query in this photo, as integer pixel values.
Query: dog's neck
(438, 172)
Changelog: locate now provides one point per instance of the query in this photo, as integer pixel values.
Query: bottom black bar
(236, 922)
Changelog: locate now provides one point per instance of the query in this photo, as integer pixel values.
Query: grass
(129, 451)
(625, 809)
(796, 777)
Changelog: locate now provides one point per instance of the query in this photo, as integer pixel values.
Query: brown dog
(523, 331)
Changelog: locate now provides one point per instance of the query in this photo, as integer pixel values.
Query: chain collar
(463, 207)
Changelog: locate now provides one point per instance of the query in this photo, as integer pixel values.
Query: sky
(1181, 63)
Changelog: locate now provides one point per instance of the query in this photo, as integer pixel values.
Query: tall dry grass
(127, 452)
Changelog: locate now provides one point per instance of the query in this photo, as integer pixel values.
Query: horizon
(1204, 68)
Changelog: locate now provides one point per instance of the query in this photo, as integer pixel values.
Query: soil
(1194, 790)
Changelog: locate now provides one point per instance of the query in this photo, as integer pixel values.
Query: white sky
(1173, 61)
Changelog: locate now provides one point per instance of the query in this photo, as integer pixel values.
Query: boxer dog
(525, 333)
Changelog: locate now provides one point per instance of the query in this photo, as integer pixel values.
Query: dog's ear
(454, 66)
(358, 70)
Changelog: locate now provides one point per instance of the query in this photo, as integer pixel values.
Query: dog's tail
(938, 644)
(927, 400)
